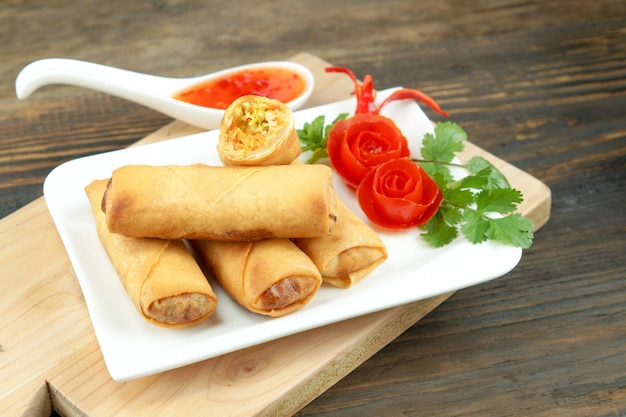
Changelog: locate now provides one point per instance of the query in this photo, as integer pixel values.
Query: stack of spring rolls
(269, 228)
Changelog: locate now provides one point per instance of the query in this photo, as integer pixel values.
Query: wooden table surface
(541, 84)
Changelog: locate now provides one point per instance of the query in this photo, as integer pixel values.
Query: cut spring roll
(258, 130)
(162, 278)
(271, 277)
(350, 252)
(220, 203)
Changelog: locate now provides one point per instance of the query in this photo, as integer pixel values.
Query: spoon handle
(138, 87)
(152, 91)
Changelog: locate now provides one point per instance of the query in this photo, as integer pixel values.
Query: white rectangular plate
(133, 348)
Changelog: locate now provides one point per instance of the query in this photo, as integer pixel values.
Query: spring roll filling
(286, 292)
(181, 308)
(253, 124)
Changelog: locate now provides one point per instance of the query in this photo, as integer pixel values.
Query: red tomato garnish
(398, 194)
(361, 142)
(371, 154)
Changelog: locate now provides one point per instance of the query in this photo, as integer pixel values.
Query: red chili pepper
(365, 94)
(406, 93)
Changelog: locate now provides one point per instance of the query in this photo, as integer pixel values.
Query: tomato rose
(398, 194)
(361, 142)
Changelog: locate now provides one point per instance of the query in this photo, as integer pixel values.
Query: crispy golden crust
(161, 277)
(221, 203)
(350, 252)
(272, 277)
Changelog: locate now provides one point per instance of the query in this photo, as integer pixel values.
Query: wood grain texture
(538, 83)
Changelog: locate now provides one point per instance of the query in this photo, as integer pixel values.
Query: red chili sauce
(277, 83)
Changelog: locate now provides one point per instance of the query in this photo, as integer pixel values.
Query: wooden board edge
(395, 322)
(537, 195)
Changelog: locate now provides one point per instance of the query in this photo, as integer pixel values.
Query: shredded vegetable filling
(252, 125)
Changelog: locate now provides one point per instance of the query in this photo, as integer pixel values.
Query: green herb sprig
(481, 206)
(314, 136)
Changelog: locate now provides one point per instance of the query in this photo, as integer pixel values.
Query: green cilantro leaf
(476, 181)
(438, 232)
(474, 226)
(458, 197)
(451, 214)
(479, 165)
(498, 200)
(314, 136)
(441, 146)
(438, 170)
(513, 229)
(469, 202)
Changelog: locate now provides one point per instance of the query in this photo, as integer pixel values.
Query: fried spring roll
(162, 278)
(220, 203)
(271, 277)
(258, 130)
(350, 252)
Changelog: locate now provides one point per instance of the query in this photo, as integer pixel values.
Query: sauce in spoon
(277, 83)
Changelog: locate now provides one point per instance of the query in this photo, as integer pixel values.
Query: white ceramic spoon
(151, 91)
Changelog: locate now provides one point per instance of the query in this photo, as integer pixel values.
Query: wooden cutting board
(49, 355)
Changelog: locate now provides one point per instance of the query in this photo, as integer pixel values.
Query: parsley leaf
(474, 226)
(476, 181)
(434, 169)
(314, 136)
(438, 232)
(441, 146)
(513, 229)
(495, 178)
(498, 200)
(458, 197)
(481, 206)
